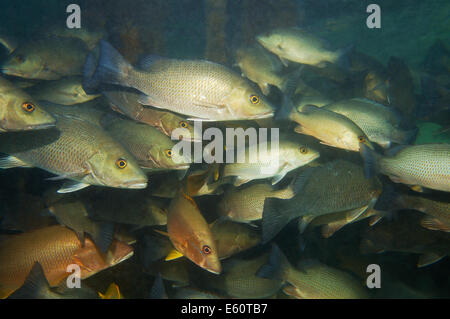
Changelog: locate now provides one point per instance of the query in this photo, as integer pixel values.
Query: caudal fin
(370, 158)
(274, 218)
(275, 267)
(110, 68)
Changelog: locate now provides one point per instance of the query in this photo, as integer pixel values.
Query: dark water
(410, 54)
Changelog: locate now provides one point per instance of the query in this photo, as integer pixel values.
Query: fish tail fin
(158, 290)
(276, 265)
(111, 68)
(285, 110)
(290, 81)
(103, 236)
(274, 219)
(11, 162)
(35, 285)
(370, 158)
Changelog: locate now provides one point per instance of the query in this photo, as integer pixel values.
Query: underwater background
(410, 52)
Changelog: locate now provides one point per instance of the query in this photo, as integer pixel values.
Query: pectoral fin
(72, 186)
(429, 258)
(173, 254)
(433, 223)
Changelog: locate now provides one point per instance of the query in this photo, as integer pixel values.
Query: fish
(19, 111)
(74, 215)
(47, 58)
(131, 208)
(233, 238)
(196, 88)
(318, 101)
(245, 204)
(300, 46)
(405, 234)
(92, 111)
(261, 67)
(126, 103)
(54, 248)
(426, 165)
(89, 36)
(194, 293)
(332, 129)
(36, 286)
(113, 292)
(65, 91)
(191, 235)
(239, 279)
(376, 87)
(78, 151)
(151, 148)
(378, 122)
(437, 210)
(314, 280)
(331, 223)
(272, 164)
(338, 186)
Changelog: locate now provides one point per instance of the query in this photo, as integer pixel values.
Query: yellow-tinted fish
(332, 129)
(190, 233)
(338, 186)
(127, 103)
(378, 122)
(76, 150)
(55, 248)
(151, 148)
(314, 281)
(48, 58)
(260, 66)
(271, 164)
(294, 44)
(426, 165)
(232, 238)
(405, 234)
(19, 111)
(197, 88)
(113, 292)
(66, 91)
(239, 279)
(245, 204)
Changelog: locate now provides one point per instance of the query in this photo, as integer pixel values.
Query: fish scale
(188, 83)
(426, 165)
(82, 151)
(19, 254)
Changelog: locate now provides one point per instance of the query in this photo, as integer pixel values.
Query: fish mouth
(262, 115)
(40, 126)
(137, 186)
(134, 184)
(214, 271)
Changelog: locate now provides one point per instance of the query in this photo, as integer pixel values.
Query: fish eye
(303, 150)
(121, 163)
(206, 249)
(19, 58)
(361, 139)
(254, 99)
(169, 153)
(184, 124)
(28, 107)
